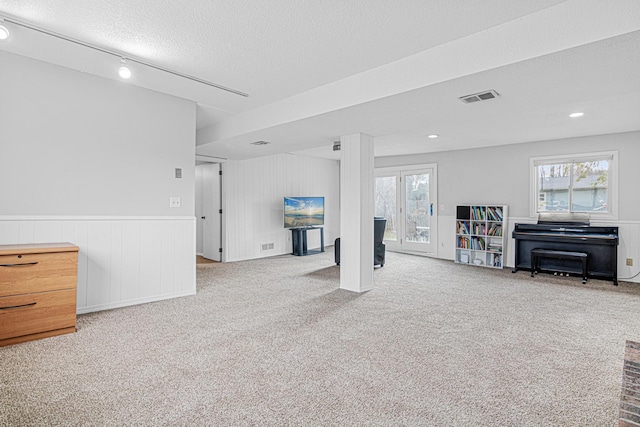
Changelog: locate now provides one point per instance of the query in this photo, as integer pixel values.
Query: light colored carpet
(202, 260)
(275, 342)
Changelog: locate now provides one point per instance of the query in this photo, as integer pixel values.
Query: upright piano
(571, 233)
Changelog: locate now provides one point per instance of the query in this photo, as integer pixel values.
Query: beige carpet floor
(274, 342)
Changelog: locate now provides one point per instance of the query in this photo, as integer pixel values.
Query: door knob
(203, 217)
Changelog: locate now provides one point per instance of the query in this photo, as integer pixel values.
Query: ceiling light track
(119, 55)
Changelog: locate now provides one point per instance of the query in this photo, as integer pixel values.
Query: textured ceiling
(292, 57)
(270, 49)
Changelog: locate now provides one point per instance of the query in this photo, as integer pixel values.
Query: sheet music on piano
(562, 218)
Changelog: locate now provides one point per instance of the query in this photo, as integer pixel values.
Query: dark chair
(379, 224)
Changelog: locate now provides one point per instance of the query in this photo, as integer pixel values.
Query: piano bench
(538, 253)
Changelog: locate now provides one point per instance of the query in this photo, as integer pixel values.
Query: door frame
(220, 218)
(433, 200)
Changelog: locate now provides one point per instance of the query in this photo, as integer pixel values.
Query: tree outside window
(573, 186)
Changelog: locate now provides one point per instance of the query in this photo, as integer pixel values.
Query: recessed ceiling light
(4, 32)
(574, 115)
(433, 136)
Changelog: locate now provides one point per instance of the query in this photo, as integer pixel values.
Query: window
(582, 183)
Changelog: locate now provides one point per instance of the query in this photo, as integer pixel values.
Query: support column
(356, 212)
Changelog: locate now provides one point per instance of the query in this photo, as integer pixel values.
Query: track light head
(4, 32)
(124, 72)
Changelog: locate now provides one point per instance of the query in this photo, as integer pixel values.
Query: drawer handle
(17, 306)
(18, 265)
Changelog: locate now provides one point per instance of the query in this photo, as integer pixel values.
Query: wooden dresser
(37, 291)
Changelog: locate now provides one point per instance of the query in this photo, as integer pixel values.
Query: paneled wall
(253, 194)
(122, 260)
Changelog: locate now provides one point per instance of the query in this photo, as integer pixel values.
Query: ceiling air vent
(260, 143)
(482, 96)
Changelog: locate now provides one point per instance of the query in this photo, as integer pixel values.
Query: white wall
(253, 202)
(500, 175)
(91, 161)
(77, 144)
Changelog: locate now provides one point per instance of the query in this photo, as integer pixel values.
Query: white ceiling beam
(564, 26)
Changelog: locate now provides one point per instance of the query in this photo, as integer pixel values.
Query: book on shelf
(494, 213)
(463, 227)
(497, 260)
(477, 213)
(495, 230)
(478, 243)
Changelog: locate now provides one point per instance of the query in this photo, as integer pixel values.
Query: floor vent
(267, 246)
(482, 96)
(630, 396)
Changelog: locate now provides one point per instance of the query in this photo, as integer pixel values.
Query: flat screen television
(303, 212)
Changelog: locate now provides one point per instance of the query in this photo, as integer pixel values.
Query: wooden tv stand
(38, 285)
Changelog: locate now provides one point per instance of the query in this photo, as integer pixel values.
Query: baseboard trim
(137, 301)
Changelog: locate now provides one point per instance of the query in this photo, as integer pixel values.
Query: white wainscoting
(628, 232)
(122, 260)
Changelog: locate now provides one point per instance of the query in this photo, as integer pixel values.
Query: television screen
(303, 211)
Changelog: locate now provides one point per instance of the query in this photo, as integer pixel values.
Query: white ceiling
(394, 70)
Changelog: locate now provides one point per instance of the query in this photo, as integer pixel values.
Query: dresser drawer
(37, 272)
(33, 313)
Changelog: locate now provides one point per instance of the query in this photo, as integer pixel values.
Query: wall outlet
(174, 202)
(178, 173)
(630, 262)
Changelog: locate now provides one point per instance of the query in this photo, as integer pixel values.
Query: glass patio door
(387, 200)
(407, 199)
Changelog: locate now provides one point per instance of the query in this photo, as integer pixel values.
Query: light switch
(174, 202)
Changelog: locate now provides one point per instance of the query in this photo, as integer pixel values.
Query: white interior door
(408, 200)
(211, 217)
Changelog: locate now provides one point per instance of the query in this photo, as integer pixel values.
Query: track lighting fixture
(124, 72)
